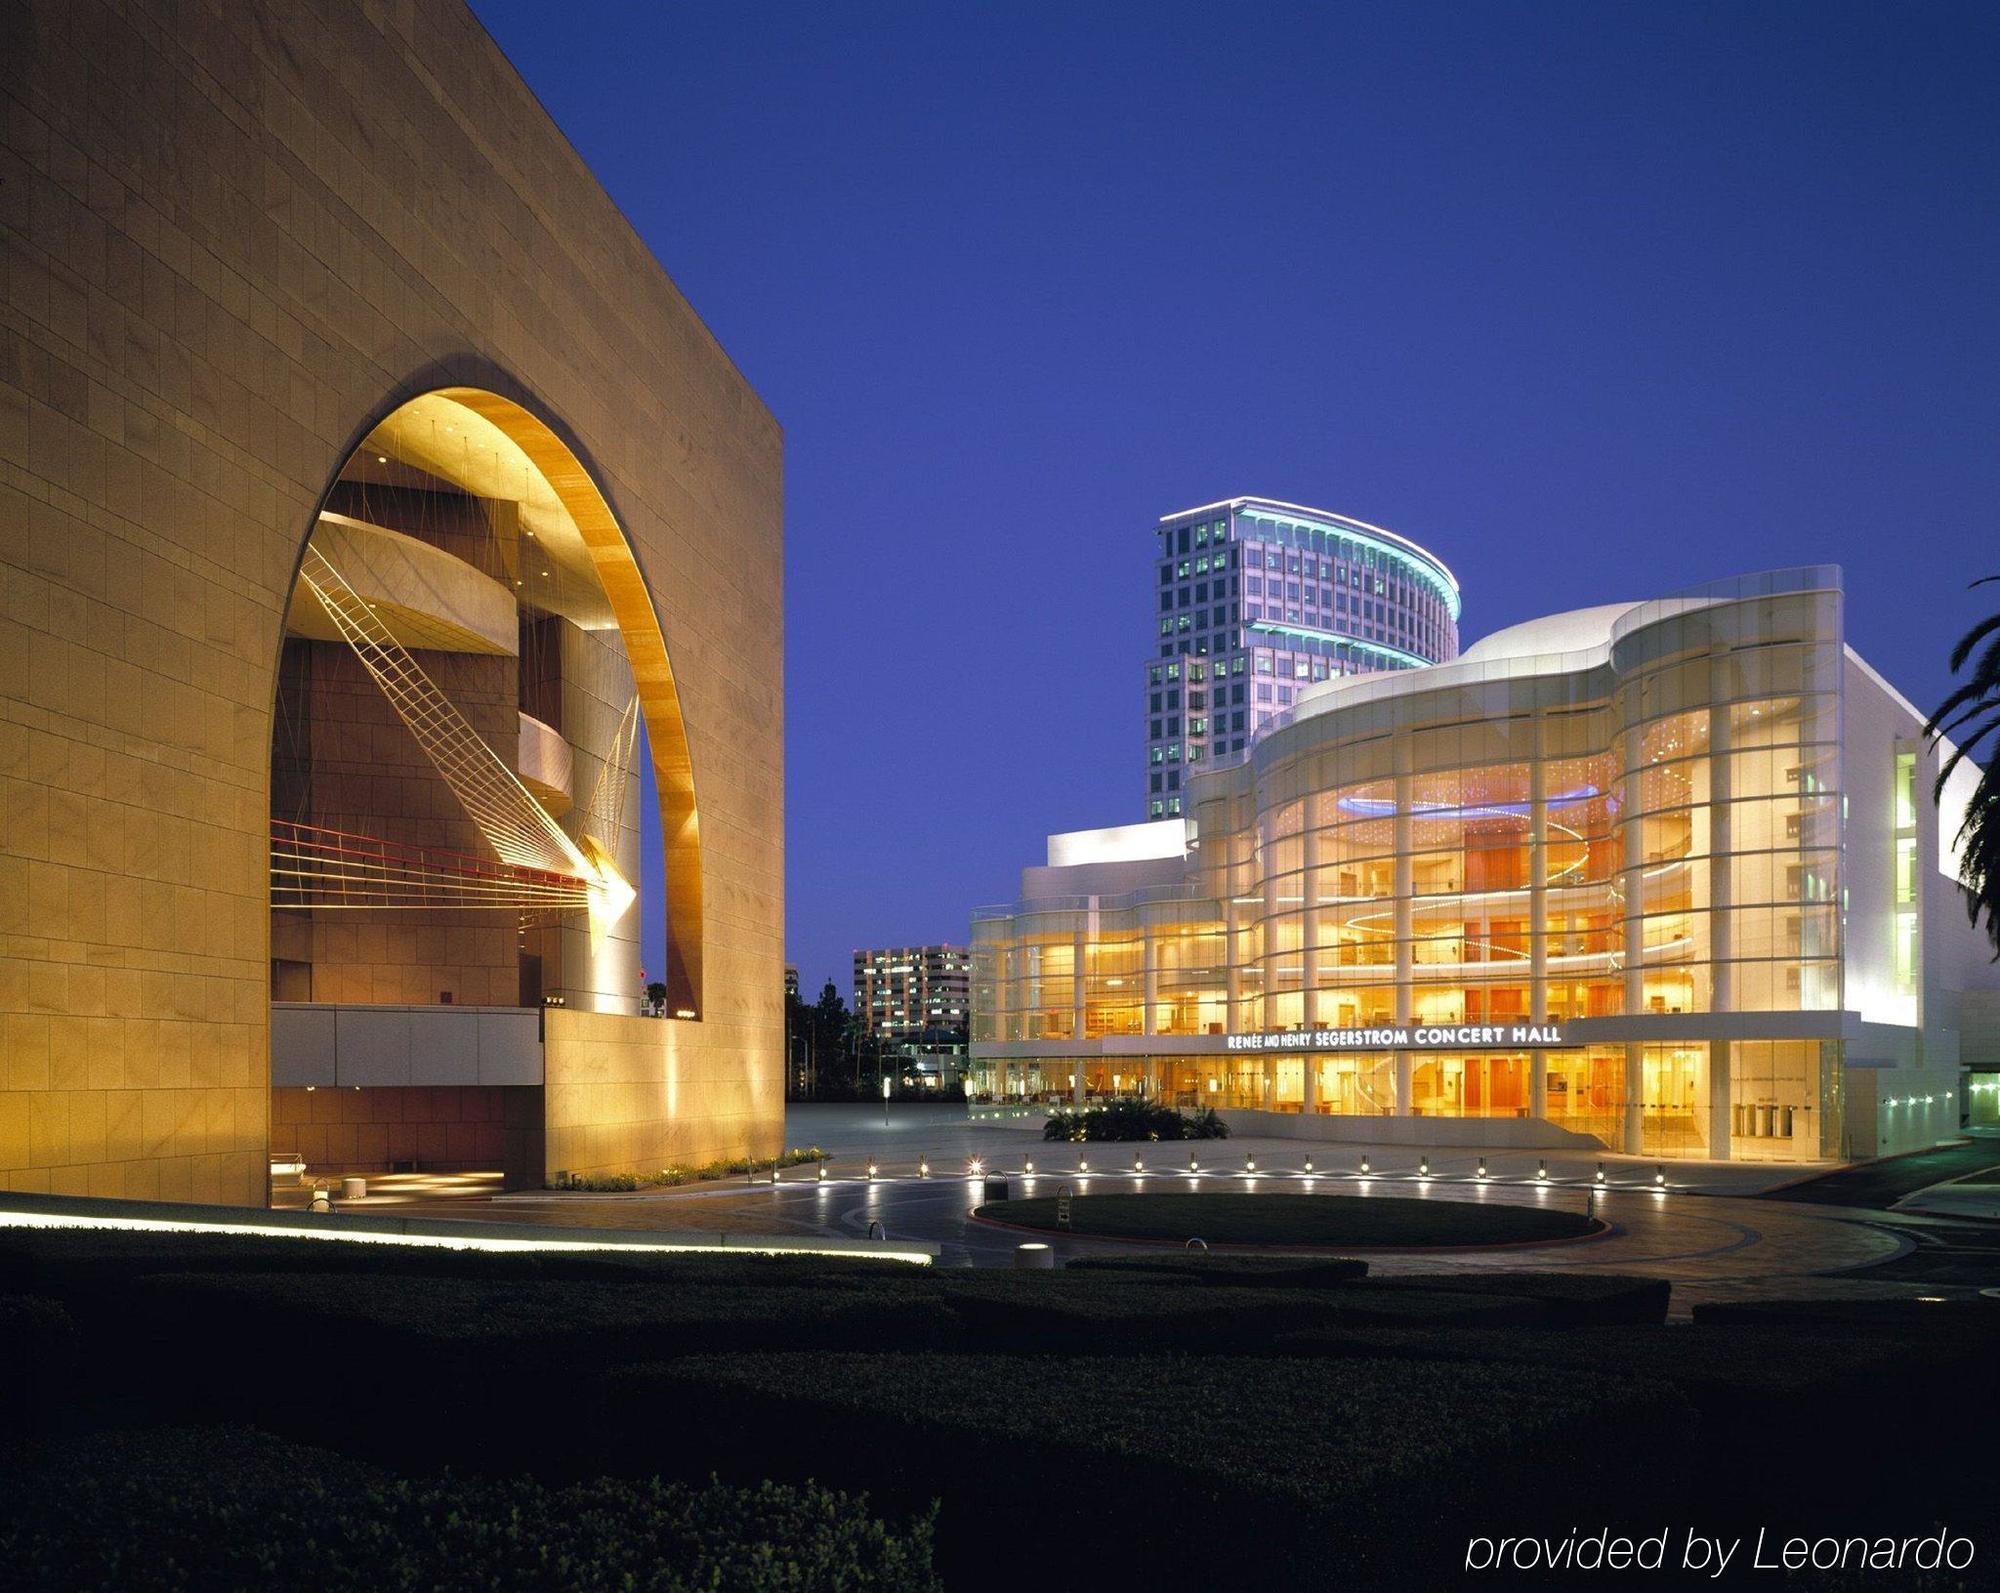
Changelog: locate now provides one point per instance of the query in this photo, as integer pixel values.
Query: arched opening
(473, 689)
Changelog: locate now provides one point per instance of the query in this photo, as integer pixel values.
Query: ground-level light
(923, 1167)
(1482, 1167)
(1600, 1172)
(1364, 1167)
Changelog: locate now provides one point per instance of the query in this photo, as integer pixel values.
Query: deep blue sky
(1596, 300)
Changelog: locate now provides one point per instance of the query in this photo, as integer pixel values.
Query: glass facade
(1258, 600)
(1649, 829)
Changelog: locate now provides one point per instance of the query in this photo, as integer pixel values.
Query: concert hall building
(1663, 877)
(390, 594)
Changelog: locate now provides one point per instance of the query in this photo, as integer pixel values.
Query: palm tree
(1970, 715)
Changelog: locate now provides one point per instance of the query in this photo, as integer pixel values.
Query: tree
(656, 997)
(1969, 716)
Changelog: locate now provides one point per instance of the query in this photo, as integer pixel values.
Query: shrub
(669, 1177)
(1134, 1120)
(190, 1509)
(38, 1347)
(1295, 1474)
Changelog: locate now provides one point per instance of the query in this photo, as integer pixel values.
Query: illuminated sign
(1406, 1037)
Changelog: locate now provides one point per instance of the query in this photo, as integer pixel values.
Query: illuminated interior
(1652, 830)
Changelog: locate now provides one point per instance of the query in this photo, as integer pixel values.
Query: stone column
(1635, 1086)
(1718, 1100)
(1538, 894)
(1634, 878)
(1309, 1098)
(1405, 888)
(1148, 1021)
(1538, 1084)
(1721, 939)
(1270, 1081)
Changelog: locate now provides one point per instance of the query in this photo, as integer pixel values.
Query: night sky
(1594, 300)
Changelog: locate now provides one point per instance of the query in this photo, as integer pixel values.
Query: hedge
(1969, 1313)
(38, 1350)
(1173, 1471)
(205, 1508)
(1228, 1271)
(1564, 1298)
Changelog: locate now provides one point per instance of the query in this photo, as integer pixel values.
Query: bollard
(1034, 1257)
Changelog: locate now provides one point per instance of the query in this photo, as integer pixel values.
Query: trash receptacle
(354, 1189)
(995, 1189)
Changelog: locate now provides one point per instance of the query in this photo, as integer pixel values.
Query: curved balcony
(428, 599)
(547, 766)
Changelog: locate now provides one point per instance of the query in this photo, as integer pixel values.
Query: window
(1153, 729)
(1197, 700)
(1198, 727)
(1174, 725)
(1159, 755)
(1236, 691)
(1153, 706)
(1236, 718)
(1263, 692)
(1174, 692)
(1166, 601)
(1156, 779)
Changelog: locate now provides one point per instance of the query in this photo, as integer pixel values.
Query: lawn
(1344, 1220)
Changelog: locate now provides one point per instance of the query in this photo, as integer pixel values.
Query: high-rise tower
(1258, 598)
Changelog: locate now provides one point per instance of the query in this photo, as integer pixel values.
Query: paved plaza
(1717, 1232)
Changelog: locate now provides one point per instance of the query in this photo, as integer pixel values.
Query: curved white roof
(1573, 632)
